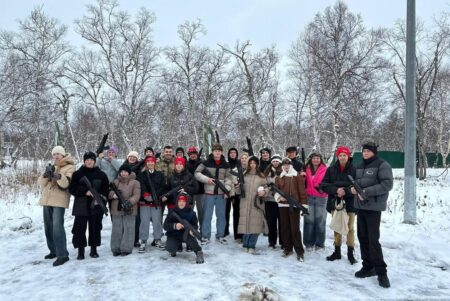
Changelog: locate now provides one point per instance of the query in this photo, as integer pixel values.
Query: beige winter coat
(251, 218)
(56, 193)
(130, 189)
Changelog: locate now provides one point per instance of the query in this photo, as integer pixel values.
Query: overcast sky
(263, 22)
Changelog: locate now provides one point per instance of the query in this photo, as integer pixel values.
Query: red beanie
(343, 149)
(192, 150)
(150, 159)
(180, 160)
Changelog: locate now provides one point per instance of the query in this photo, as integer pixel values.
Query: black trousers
(272, 217)
(234, 202)
(368, 224)
(174, 242)
(80, 224)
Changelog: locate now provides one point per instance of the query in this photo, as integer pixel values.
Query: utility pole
(409, 216)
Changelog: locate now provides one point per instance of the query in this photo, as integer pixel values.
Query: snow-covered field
(418, 258)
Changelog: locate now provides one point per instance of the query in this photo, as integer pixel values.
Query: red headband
(180, 160)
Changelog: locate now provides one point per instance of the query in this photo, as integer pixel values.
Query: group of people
(138, 192)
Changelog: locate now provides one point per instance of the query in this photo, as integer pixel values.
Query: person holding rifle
(87, 210)
(109, 164)
(180, 177)
(192, 164)
(124, 214)
(374, 176)
(293, 184)
(177, 232)
(337, 185)
(272, 212)
(152, 187)
(219, 175)
(54, 201)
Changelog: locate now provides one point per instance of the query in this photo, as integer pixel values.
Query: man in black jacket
(374, 176)
(264, 161)
(192, 164)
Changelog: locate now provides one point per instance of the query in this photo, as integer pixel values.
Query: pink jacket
(313, 181)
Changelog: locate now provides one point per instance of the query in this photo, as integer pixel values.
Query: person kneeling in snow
(176, 232)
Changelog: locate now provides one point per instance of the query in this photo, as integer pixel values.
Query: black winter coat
(334, 179)
(157, 179)
(82, 203)
(186, 179)
(191, 166)
(298, 166)
(185, 213)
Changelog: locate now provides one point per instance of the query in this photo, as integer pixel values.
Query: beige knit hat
(133, 154)
(58, 150)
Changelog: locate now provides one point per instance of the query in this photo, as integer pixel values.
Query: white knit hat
(58, 150)
(276, 158)
(134, 154)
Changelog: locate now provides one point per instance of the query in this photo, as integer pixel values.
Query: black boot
(383, 280)
(351, 255)
(50, 256)
(199, 259)
(365, 272)
(80, 253)
(336, 254)
(62, 260)
(93, 253)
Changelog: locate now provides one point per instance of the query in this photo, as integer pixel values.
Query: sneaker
(205, 241)
(188, 248)
(199, 257)
(383, 280)
(300, 258)
(137, 244)
(286, 253)
(115, 254)
(365, 272)
(153, 244)
(319, 249)
(159, 244)
(245, 249)
(238, 240)
(60, 261)
(173, 254)
(50, 256)
(252, 251)
(309, 248)
(222, 240)
(141, 247)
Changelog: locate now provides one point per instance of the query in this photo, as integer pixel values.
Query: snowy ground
(417, 256)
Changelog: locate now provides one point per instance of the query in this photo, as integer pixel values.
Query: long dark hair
(309, 162)
(258, 171)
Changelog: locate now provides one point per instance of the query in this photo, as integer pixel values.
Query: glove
(56, 176)
(127, 206)
(101, 156)
(47, 174)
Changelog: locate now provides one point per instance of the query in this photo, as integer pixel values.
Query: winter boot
(80, 253)
(365, 272)
(141, 246)
(50, 256)
(63, 260)
(351, 255)
(336, 254)
(93, 253)
(199, 258)
(383, 280)
(159, 244)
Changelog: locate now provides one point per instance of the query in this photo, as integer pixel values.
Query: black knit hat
(149, 148)
(179, 149)
(125, 167)
(265, 149)
(291, 149)
(89, 155)
(253, 158)
(370, 145)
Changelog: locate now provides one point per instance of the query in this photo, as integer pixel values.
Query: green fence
(397, 159)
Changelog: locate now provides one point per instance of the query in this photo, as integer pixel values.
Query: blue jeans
(249, 240)
(314, 224)
(209, 202)
(54, 230)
